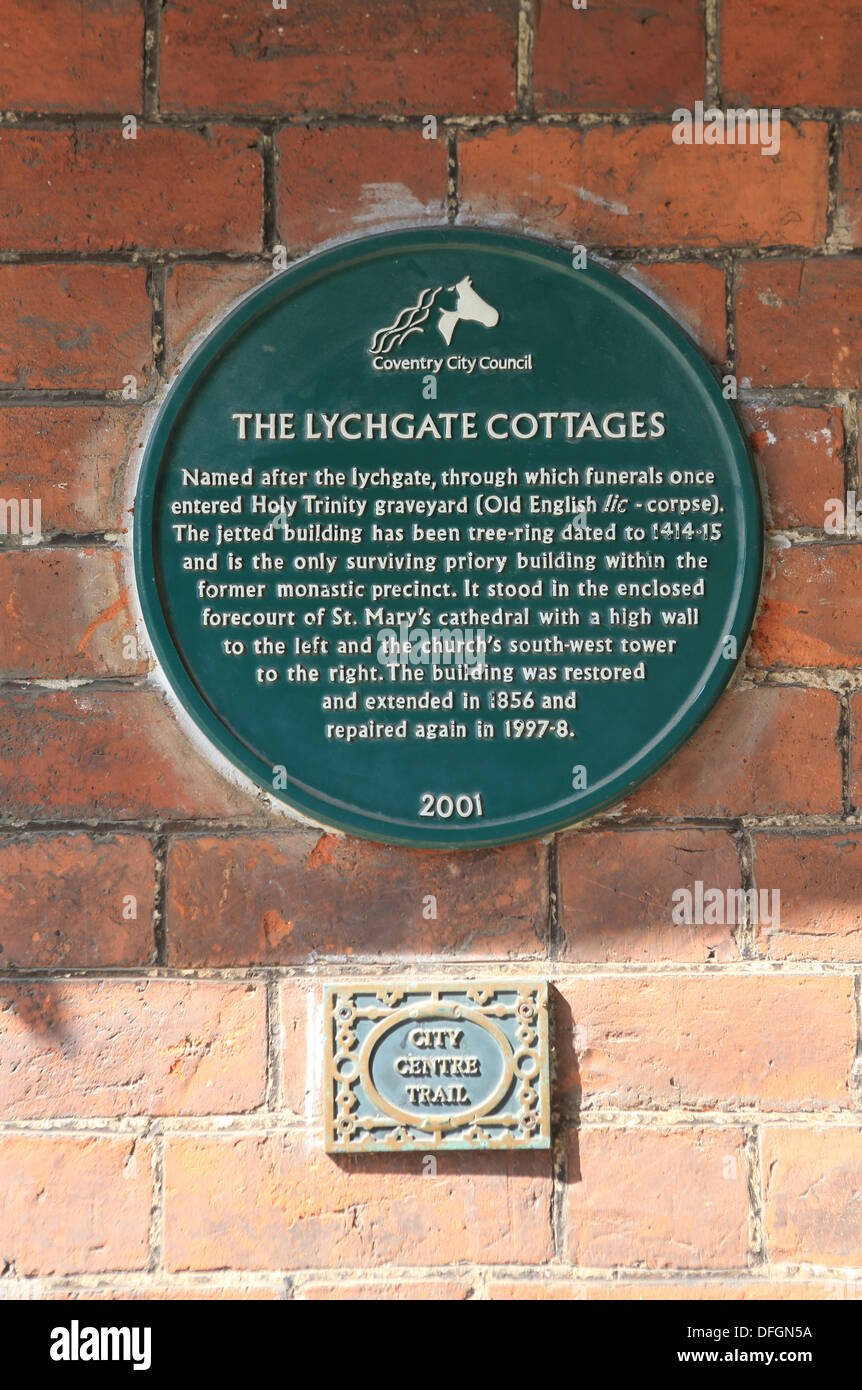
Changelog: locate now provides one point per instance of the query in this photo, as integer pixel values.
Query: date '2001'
(445, 807)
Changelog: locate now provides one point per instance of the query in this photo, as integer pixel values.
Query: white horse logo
(470, 307)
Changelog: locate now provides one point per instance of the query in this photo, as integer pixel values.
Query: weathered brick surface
(820, 881)
(812, 1202)
(811, 608)
(74, 1203)
(93, 190)
(798, 449)
(81, 326)
(800, 322)
(659, 1199)
(746, 759)
(197, 295)
(661, 1291)
(73, 900)
(116, 754)
(850, 184)
(144, 1290)
(342, 180)
(856, 749)
(791, 53)
(692, 294)
(66, 614)
(306, 894)
(301, 1015)
(612, 55)
(277, 1201)
(646, 190)
(109, 1048)
(522, 175)
(52, 61)
(705, 1041)
(70, 458)
(632, 186)
(424, 1290)
(317, 55)
(616, 894)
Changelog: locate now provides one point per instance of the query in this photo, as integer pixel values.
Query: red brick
(528, 176)
(791, 53)
(812, 1199)
(850, 185)
(645, 190)
(675, 1199)
(694, 295)
(662, 1291)
(104, 754)
(110, 1047)
(81, 326)
(301, 1082)
(319, 55)
(705, 1041)
(616, 894)
(72, 1203)
(820, 881)
(614, 55)
(424, 1290)
(355, 180)
(278, 1202)
(93, 190)
(71, 458)
(197, 295)
(799, 451)
(66, 614)
(284, 898)
(856, 748)
(811, 609)
(63, 900)
(144, 1291)
(745, 759)
(632, 186)
(54, 60)
(800, 322)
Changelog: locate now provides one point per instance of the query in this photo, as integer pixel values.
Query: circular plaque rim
(531, 823)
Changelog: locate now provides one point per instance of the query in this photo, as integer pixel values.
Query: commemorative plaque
(446, 542)
(445, 1066)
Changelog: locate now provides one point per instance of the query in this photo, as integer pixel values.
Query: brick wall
(165, 937)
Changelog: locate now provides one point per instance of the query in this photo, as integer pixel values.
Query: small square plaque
(436, 1066)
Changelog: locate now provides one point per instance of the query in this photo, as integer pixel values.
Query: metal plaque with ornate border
(436, 1066)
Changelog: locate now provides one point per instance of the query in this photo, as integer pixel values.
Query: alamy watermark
(735, 126)
(21, 517)
(83, 1343)
(702, 906)
(843, 516)
(409, 646)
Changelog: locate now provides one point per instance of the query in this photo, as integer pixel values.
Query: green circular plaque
(446, 542)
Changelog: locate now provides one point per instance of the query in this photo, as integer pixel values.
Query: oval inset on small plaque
(445, 1068)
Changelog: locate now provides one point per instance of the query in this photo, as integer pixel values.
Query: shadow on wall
(35, 1009)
